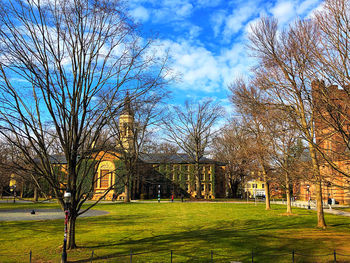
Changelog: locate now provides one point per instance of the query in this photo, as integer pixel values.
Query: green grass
(191, 230)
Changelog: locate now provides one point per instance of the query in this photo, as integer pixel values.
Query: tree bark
(289, 204)
(320, 214)
(22, 190)
(127, 192)
(71, 232)
(198, 180)
(267, 189)
(36, 197)
(316, 170)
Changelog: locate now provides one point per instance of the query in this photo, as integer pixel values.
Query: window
(104, 178)
(125, 128)
(209, 187)
(255, 185)
(187, 177)
(262, 185)
(209, 177)
(248, 186)
(202, 187)
(187, 187)
(178, 177)
(202, 177)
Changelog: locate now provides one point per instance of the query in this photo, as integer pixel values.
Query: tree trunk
(22, 190)
(71, 232)
(127, 193)
(289, 204)
(1, 191)
(320, 215)
(267, 189)
(316, 170)
(36, 196)
(267, 195)
(198, 177)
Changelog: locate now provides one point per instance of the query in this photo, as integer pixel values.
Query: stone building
(332, 111)
(172, 174)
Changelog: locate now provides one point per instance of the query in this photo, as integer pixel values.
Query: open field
(191, 230)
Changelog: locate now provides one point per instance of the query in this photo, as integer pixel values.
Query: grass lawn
(191, 230)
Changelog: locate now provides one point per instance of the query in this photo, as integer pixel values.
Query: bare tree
(191, 129)
(57, 57)
(287, 148)
(154, 145)
(233, 146)
(284, 73)
(251, 105)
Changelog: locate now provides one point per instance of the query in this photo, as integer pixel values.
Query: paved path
(41, 214)
(326, 209)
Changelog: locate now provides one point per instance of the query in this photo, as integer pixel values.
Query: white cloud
(171, 10)
(194, 31)
(217, 20)
(184, 10)
(284, 11)
(203, 70)
(140, 14)
(312, 12)
(208, 3)
(238, 18)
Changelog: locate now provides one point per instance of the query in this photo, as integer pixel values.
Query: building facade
(332, 123)
(167, 174)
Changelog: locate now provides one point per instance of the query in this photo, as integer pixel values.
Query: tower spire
(126, 125)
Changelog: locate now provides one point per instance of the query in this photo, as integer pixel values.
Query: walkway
(41, 214)
(326, 209)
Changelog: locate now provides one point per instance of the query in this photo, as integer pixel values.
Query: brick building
(332, 130)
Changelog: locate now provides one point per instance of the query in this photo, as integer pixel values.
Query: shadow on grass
(226, 243)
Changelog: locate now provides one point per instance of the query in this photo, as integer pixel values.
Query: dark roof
(54, 159)
(174, 158)
(58, 159)
(177, 158)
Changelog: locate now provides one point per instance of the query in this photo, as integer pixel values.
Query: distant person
(172, 198)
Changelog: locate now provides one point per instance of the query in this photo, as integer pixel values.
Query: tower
(126, 125)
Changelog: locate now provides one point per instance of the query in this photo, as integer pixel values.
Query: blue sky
(207, 38)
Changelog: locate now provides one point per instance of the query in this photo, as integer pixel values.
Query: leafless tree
(286, 152)
(156, 146)
(284, 72)
(191, 129)
(57, 57)
(251, 104)
(232, 146)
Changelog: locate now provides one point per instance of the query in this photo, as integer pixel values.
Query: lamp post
(308, 194)
(66, 199)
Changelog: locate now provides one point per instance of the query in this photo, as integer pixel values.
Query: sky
(207, 39)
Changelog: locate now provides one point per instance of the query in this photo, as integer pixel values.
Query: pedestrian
(172, 198)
